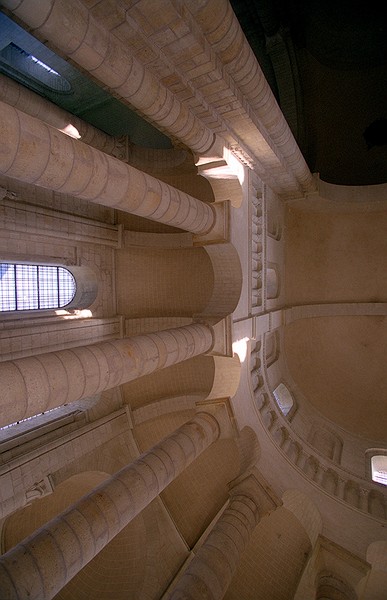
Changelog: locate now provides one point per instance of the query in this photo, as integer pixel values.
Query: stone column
(26, 100)
(142, 158)
(332, 587)
(35, 384)
(69, 25)
(211, 571)
(40, 566)
(223, 32)
(34, 152)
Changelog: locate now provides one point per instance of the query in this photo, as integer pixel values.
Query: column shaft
(34, 152)
(40, 566)
(211, 571)
(26, 100)
(35, 384)
(69, 25)
(223, 31)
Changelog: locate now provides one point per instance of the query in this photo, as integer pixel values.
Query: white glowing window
(35, 287)
(379, 469)
(283, 398)
(30, 70)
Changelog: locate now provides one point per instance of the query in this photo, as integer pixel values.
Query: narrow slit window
(35, 287)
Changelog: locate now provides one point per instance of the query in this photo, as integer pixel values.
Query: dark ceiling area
(326, 62)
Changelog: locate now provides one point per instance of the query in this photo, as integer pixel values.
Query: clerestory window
(283, 398)
(35, 287)
(379, 468)
(31, 71)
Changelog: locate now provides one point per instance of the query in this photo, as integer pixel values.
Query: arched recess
(202, 282)
(227, 372)
(227, 282)
(249, 449)
(163, 282)
(87, 287)
(273, 561)
(272, 282)
(305, 511)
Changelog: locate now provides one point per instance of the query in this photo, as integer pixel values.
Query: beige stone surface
(221, 268)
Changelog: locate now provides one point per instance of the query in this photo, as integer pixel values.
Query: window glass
(35, 287)
(28, 69)
(379, 469)
(283, 398)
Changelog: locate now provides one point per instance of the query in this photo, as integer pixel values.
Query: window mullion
(38, 287)
(15, 285)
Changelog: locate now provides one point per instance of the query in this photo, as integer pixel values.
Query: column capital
(254, 487)
(332, 587)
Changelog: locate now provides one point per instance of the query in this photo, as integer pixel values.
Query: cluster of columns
(210, 573)
(40, 566)
(34, 152)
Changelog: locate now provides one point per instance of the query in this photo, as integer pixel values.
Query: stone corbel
(254, 486)
(120, 149)
(38, 490)
(221, 409)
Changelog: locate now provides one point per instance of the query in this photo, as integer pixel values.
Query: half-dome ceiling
(336, 363)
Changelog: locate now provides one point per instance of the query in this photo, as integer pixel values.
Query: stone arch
(227, 282)
(227, 372)
(326, 442)
(168, 282)
(249, 449)
(305, 511)
(294, 451)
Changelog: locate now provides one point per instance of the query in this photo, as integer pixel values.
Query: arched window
(379, 468)
(283, 398)
(35, 287)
